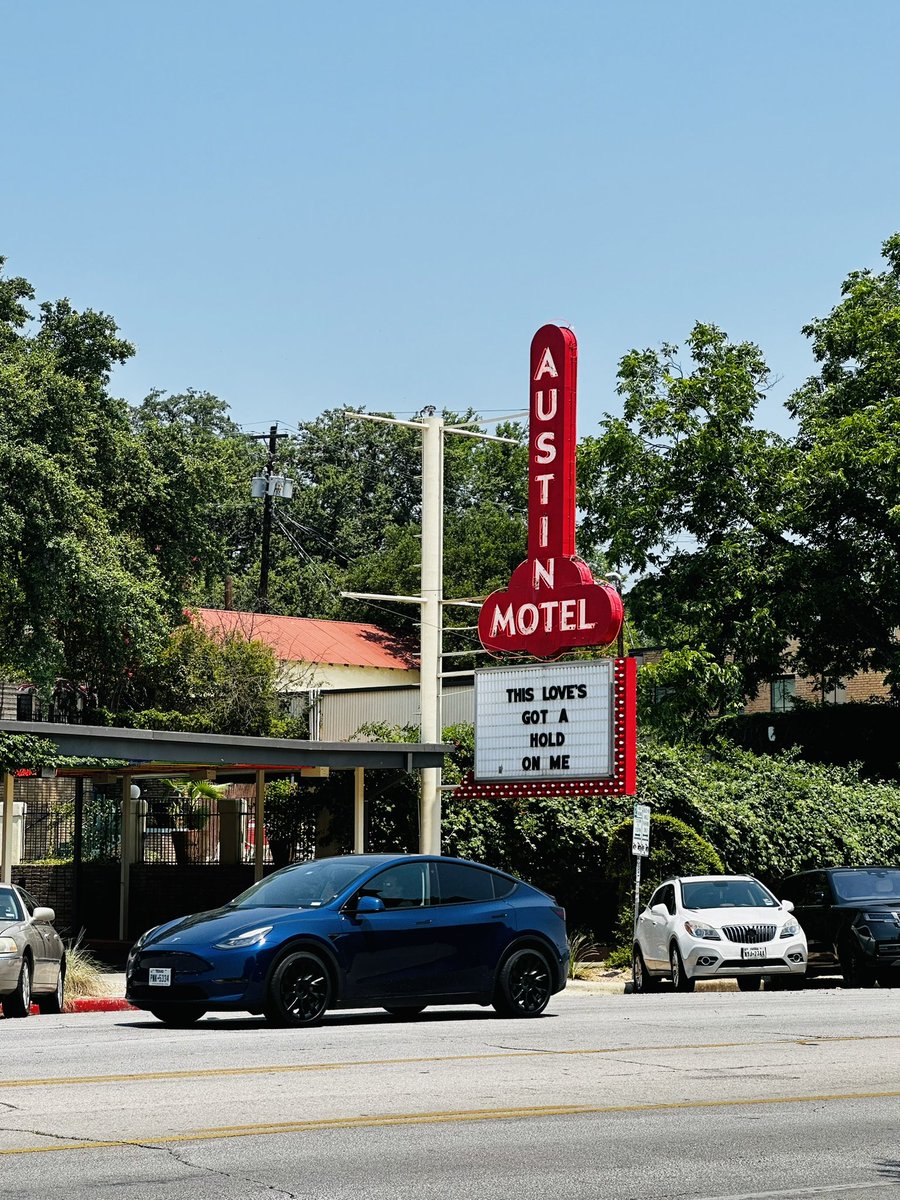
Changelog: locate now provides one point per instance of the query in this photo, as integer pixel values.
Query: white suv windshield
(727, 893)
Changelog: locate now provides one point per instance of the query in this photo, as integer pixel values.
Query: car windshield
(727, 893)
(867, 884)
(307, 885)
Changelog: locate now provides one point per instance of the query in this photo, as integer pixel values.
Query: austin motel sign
(553, 603)
(570, 728)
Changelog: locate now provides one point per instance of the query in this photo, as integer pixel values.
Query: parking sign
(640, 841)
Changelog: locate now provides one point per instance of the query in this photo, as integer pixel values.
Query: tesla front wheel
(178, 1015)
(524, 985)
(299, 990)
(18, 1003)
(681, 981)
(52, 1004)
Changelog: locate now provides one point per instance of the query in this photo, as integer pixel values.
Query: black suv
(851, 918)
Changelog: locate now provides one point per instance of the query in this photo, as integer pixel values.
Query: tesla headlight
(790, 929)
(699, 929)
(241, 940)
(8, 945)
(133, 952)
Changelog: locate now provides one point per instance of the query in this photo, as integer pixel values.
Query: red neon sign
(553, 603)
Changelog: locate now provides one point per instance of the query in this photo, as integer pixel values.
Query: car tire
(299, 990)
(681, 981)
(18, 1003)
(641, 979)
(524, 984)
(408, 1010)
(888, 979)
(857, 972)
(179, 1016)
(52, 1004)
(749, 983)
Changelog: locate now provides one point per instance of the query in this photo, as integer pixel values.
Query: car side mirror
(368, 904)
(43, 916)
(659, 910)
(787, 905)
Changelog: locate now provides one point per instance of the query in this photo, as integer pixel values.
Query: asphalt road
(713, 1095)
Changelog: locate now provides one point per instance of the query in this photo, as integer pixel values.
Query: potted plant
(194, 802)
(288, 821)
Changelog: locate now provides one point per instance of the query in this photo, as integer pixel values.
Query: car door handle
(499, 916)
(426, 922)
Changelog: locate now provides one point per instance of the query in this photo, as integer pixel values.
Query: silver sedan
(32, 955)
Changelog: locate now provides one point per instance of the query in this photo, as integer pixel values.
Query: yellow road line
(293, 1068)
(381, 1120)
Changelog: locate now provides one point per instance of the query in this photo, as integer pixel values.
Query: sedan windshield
(867, 885)
(727, 893)
(305, 886)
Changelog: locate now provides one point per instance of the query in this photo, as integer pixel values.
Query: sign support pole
(637, 892)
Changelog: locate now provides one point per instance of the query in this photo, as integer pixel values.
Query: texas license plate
(753, 952)
(160, 976)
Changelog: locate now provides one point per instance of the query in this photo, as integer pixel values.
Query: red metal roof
(299, 639)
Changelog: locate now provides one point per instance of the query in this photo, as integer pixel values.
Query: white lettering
(544, 528)
(544, 481)
(547, 366)
(567, 615)
(527, 619)
(546, 449)
(539, 411)
(503, 622)
(541, 574)
(583, 622)
(547, 608)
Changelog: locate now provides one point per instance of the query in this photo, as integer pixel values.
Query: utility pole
(263, 486)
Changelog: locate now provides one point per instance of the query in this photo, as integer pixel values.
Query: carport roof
(143, 749)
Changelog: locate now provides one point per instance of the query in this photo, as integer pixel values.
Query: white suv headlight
(699, 929)
(790, 928)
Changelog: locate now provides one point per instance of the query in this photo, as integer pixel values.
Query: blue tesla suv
(397, 932)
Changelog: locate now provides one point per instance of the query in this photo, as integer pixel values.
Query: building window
(783, 693)
(834, 693)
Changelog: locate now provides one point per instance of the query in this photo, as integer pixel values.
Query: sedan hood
(206, 928)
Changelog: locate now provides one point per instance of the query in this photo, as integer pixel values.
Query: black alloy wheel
(179, 1016)
(408, 1010)
(749, 983)
(51, 1005)
(681, 981)
(299, 990)
(524, 985)
(641, 979)
(18, 1003)
(858, 972)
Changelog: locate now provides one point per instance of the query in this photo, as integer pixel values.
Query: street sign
(640, 841)
(545, 722)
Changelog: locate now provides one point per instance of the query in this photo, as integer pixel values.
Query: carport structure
(145, 753)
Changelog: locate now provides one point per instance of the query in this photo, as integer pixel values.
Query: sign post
(640, 848)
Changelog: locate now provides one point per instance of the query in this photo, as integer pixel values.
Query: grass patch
(84, 975)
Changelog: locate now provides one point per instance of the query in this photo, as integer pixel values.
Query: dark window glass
(503, 886)
(403, 886)
(25, 706)
(305, 886)
(868, 884)
(28, 901)
(458, 884)
(657, 897)
(808, 891)
(668, 897)
(783, 690)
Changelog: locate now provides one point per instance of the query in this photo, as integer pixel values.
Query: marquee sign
(552, 604)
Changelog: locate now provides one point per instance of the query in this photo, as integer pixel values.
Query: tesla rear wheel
(524, 985)
(641, 979)
(180, 1016)
(299, 990)
(681, 981)
(18, 1003)
(409, 1010)
(52, 1004)
(749, 983)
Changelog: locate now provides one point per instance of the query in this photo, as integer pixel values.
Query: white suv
(713, 927)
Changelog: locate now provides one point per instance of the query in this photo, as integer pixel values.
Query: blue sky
(302, 205)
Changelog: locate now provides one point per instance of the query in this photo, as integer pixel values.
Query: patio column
(258, 826)
(359, 810)
(6, 841)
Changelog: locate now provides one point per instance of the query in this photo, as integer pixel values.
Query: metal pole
(124, 855)
(359, 810)
(637, 892)
(431, 617)
(77, 851)
(262, 600)
(258, 826)
(7, 838)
